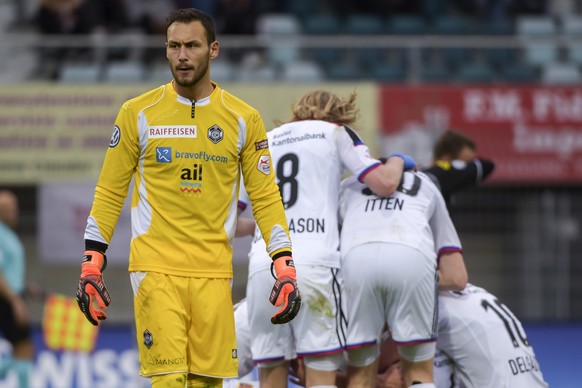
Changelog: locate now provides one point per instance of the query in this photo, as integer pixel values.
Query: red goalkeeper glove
(285, 292)
(91, 286)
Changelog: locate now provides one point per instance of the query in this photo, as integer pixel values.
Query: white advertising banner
(63, 209)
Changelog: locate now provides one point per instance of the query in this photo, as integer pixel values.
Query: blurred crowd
(240, 16)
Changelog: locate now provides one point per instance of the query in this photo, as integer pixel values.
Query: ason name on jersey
(415, 215)
(309, 158)
(481, 343)
(186, 160)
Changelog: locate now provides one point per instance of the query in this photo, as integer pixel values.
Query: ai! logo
(264, 164)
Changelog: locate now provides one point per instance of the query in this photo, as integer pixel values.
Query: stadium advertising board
(114, 363)
(56, 132)
(61, 132)
(533, 133)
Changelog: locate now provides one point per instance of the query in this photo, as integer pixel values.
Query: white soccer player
(310, 153)
(390, 247)
(482, 344)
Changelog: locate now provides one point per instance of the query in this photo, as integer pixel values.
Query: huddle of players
(398, 251)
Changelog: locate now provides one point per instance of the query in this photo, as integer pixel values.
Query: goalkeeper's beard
(198, 73)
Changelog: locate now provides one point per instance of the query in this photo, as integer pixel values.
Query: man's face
(467, 154)
(188, 53)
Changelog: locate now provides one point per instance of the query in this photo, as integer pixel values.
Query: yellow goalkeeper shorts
(184, 324)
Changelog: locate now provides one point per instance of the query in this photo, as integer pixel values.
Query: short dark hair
(188, 15)
(450, 144)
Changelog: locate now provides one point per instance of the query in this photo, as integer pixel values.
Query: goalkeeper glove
(409, 162)
(91, 286)
(285, 292)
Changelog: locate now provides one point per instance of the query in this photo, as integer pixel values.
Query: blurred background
(508, 73)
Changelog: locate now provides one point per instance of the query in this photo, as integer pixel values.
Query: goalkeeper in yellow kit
(186, 144)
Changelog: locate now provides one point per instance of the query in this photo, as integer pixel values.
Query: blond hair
(326, 106)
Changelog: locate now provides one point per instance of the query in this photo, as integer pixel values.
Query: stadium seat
(123, 72)
(540, 54)
(450, 25)
(280, 25)
(302, 72)
(435, 74)
(385, 72)
(535, 26)
(159, 74)
(326, 56)
(571, 26)
(345, 72)
(222, 70)
(500, 57)
(456, 56)
(79, 73)
(519, 73)
(561, 73)
(530, 29)
(302, 8)
(363, 24)
(369, 55)
(321, 24)
(497, 27)
(574, 52)
(475, 73)
(260, 74)
(406, 25)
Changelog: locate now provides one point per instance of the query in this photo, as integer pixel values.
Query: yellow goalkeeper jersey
(186, 160)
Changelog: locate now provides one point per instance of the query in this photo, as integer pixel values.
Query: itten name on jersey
(523, 364)
(384, 203)
(307, 225)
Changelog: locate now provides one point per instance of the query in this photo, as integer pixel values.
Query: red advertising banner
(533, 133)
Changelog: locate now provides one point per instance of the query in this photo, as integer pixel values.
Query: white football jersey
(309, 159)
(482, 344)
(415, 215)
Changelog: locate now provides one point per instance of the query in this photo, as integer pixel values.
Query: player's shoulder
(428, 183)
(146, 99)
(235, 104)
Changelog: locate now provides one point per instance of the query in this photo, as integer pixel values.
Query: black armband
(281, 254)
(92, 245)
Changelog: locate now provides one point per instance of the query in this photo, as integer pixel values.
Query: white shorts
(320, 327)
(393, 284)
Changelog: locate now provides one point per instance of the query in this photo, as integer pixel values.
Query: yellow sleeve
(121, 160)
(259, 180)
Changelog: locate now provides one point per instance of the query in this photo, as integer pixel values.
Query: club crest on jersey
(148, 339)
(164, 154)
(115, 137)
(215, 134)
(264, 164)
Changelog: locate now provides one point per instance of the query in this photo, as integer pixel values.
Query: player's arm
(269, 214)
(120, 162)
(456, 175)
(112, 187)
(451, 265)
(452, 271)
(382, 178)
